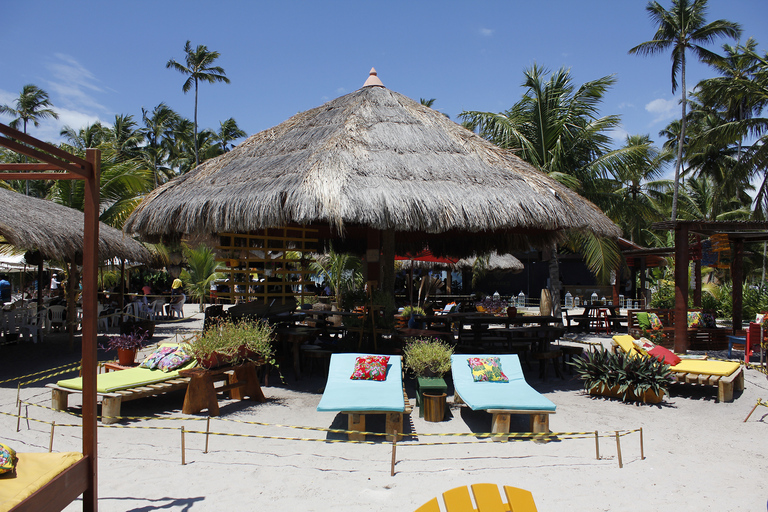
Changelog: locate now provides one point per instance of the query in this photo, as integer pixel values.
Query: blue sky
(99, 59)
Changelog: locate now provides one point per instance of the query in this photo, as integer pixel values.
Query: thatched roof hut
(373, 159)
(495, 263)
(57, 231)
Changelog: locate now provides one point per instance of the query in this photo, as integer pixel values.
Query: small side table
(431, 385)
(241, 381)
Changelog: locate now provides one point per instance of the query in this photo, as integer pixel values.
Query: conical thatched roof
(373, 158)
(57, 231)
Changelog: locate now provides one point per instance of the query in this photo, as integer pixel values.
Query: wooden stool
(601, 322)
(317, 357)
(569, 353)
(543, 357)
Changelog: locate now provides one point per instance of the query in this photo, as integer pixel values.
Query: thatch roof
(373, 158)
(57, 231)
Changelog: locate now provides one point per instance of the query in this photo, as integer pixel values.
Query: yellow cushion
(722, 368)
(627, 344)
(33, 471)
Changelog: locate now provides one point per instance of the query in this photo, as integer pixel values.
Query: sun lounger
(726, 375)
(114, 388)
(501, 399)
(357, 398)
(44, 481)
(487, 499)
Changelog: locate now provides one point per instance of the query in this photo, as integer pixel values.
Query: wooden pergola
(738, 233)
(55, 164)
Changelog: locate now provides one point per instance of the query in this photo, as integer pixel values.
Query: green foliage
(755, 302)
(664, 298)
(236, 341)
(342, 271)
(109, 279)
(601, 370)
(409, 311)
(427, 356)
(201, 272)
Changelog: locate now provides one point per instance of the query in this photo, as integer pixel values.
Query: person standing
(5, 288)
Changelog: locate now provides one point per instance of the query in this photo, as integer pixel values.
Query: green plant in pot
(126, 346)
(644, 379)
(228, 342)
(411, 314)
(427, 357)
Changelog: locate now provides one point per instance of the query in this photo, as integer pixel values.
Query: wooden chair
(487, 499)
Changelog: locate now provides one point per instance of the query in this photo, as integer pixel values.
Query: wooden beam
(90, 319)
(38, 176)
(681, 288)
(81, 169)
(43, 146)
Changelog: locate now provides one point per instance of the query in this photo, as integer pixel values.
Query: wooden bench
(111, 402)
(240, 381)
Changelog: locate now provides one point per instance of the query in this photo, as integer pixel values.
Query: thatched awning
(375, 159)
(57, 231)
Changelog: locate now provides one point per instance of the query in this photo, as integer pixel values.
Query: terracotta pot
(126, 356)
(213, 360)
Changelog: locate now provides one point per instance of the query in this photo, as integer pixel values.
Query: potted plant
(411, 315)
(126, 346)
(427, 357)
(228, 342)
(631, 378)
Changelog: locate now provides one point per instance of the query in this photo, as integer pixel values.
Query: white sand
(699, 454)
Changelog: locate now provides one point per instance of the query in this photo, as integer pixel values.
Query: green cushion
(124, 379)
(643, 322)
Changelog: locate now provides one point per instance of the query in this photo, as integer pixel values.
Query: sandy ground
(699, 454)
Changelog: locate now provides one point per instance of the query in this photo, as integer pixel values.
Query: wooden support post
(618, 449)
(642, 452)
(597, 446)
(737, 278)
(50, 442)
(207, 432)
(681, 288)
(394, 449)
(183, 461)
(759, 401)
(18, 418)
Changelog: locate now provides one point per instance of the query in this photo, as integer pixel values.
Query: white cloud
(625, 105)
(619, 135)
(74, 86)
(486, 32)
(662, 109)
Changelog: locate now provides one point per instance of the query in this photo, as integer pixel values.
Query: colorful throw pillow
(708, 321)
(694, 319)
(644, 345)
(655, 321)
(486, 369)
(642, 321)
(370, 368)
(8, 459)
(174, 360)
(664, 355)
(153, 360)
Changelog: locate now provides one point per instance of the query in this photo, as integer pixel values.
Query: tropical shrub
(427, 357)
(235, 342)
(602, 370)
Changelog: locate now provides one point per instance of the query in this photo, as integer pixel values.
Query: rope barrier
(41, 372)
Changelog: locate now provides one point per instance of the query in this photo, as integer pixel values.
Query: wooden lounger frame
(539, 420)
(725, 384)
(81, 477)
(393, 423)
(111, 402)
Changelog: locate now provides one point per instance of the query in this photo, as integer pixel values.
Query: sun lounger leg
(725, 385)
(110, 409)
(394, 423)
(356, 423)
(500, 425)
(59, 399)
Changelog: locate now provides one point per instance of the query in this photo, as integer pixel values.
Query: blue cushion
(344, 394)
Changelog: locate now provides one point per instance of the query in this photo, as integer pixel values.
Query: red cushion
(664, 355)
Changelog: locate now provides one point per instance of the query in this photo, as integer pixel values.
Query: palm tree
(158, 126)
(124, 138)
(683, 28)
(228, 133)
(342, 271)
(199, 68)
(31, 106)
(202, 265)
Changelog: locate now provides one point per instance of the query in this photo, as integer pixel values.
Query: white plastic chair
(33, 329)
(56, 317)
(156, 309)
(178, 307)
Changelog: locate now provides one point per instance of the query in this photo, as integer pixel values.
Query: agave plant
(602, 370)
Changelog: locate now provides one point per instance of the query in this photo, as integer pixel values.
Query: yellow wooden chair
(487, 499)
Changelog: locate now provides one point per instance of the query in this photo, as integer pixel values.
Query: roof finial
(373, 79)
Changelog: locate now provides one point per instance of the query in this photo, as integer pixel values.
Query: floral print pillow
(174, 360)
(8, 459)
(486, 369)
(655, 321)
(370, 368)
(153, 360)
